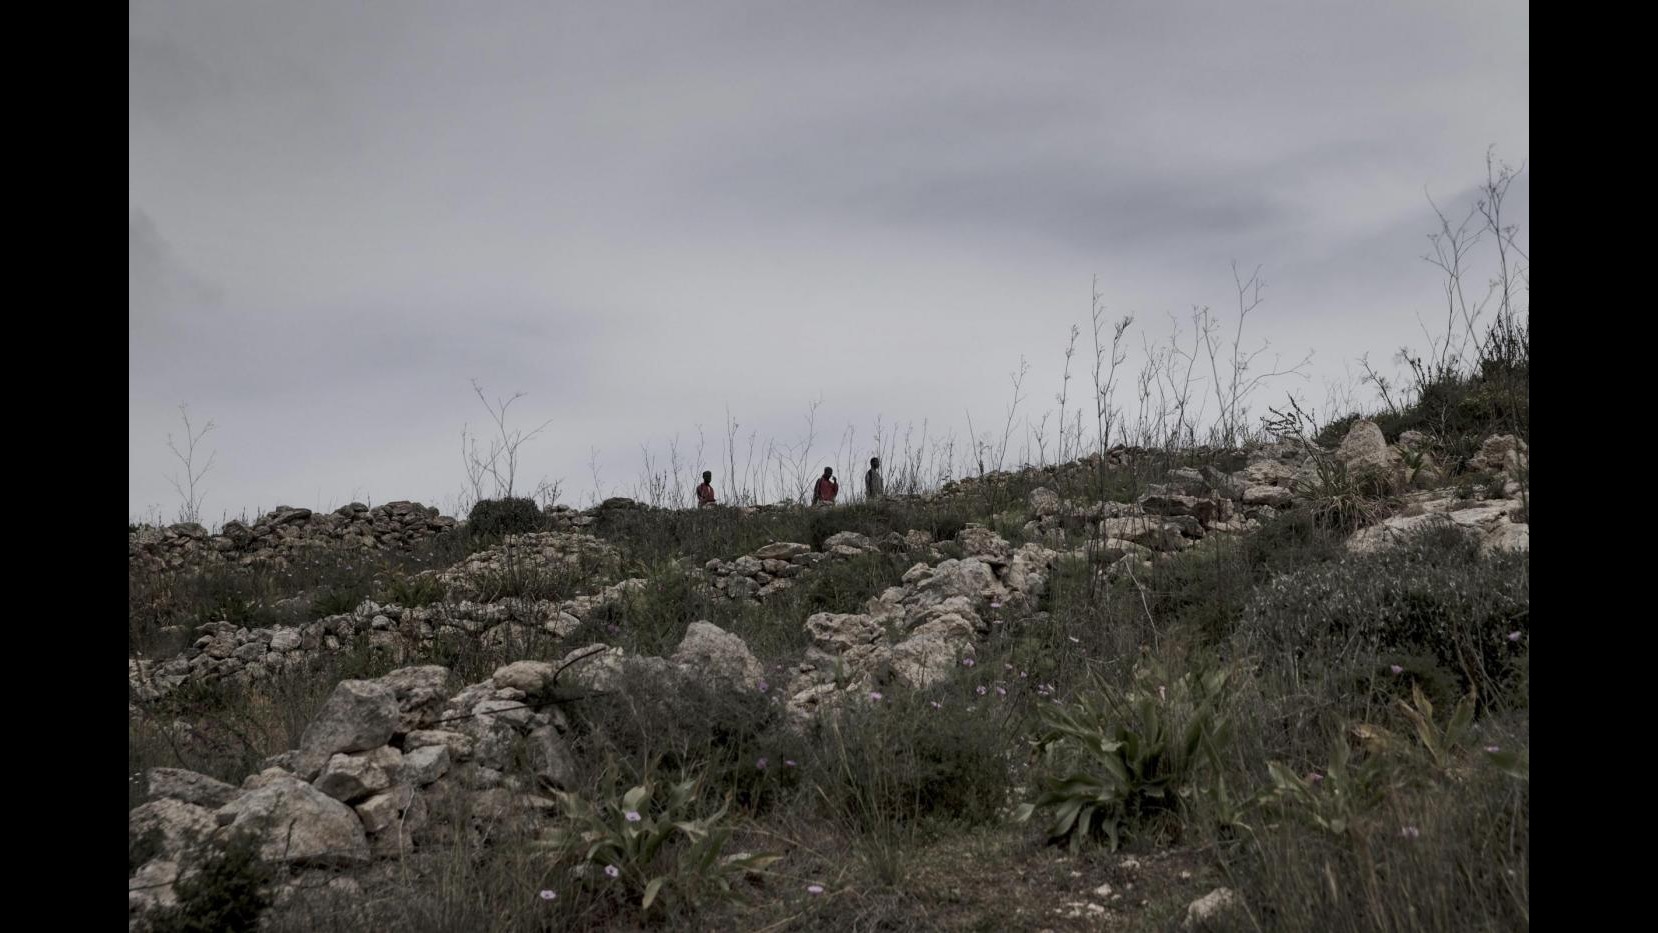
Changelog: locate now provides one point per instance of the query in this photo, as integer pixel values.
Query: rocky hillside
(506, 706)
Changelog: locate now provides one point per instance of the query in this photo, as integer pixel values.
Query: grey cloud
(639, 213)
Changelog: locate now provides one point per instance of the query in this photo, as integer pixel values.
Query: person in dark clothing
(705, 492)
(824, 492)
(874, 488)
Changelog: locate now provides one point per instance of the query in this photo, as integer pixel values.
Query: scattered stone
(1210, 909)
(359, 715)
(189, 787)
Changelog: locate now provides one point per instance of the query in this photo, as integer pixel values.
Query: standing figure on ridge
(824, 492)
(873, 487)
(705, 492)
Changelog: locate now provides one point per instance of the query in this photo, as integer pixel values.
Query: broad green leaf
(651, 892)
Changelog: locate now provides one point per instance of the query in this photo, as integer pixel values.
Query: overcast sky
(643, 214)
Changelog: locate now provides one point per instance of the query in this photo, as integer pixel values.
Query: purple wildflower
(613, 871)
(632, 816)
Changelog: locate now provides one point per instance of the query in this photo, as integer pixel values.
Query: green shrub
(1344, 501)
(1117, 760)
(523, 581)
(647, 843)
(844, 585)
(494, 517)
(688, 726)
(1400, 835)
(229, 894)
(336, 600)
(1433, 595)
(652, 618)
(1334, 800)
(908, 758)
(413, 590)
(1291, 540)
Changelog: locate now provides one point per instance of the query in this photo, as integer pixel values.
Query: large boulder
(1365, 451)
(350, 778)
(495, 727)
(970, 578)
(952, 610)
(1415, 442)
(1149, 530)
(1503, 452)
(928, 657)
(426, 764)
(848, 539)
(457, 744)
(532, 677)
(1267, 495)
(711, 651)
(189, 787)
(1267, 473)
(420, 692)
(1484, 520)
(781, 550)
(979, 541)
(550, 758)
(298, 824)
(837, 632)
(152, 886)
(386, 808)
(359, 715)
(179, 825)
(1110, 550)
(1507, 536)
(1044, 502)
(1203, 508)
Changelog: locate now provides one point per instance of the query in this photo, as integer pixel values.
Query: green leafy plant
(1442, 744)
(649, 843)
(1117, 759)
(228, 894)
(1333, 801)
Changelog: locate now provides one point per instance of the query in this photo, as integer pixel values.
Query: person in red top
(705, 492)
(826, 488)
